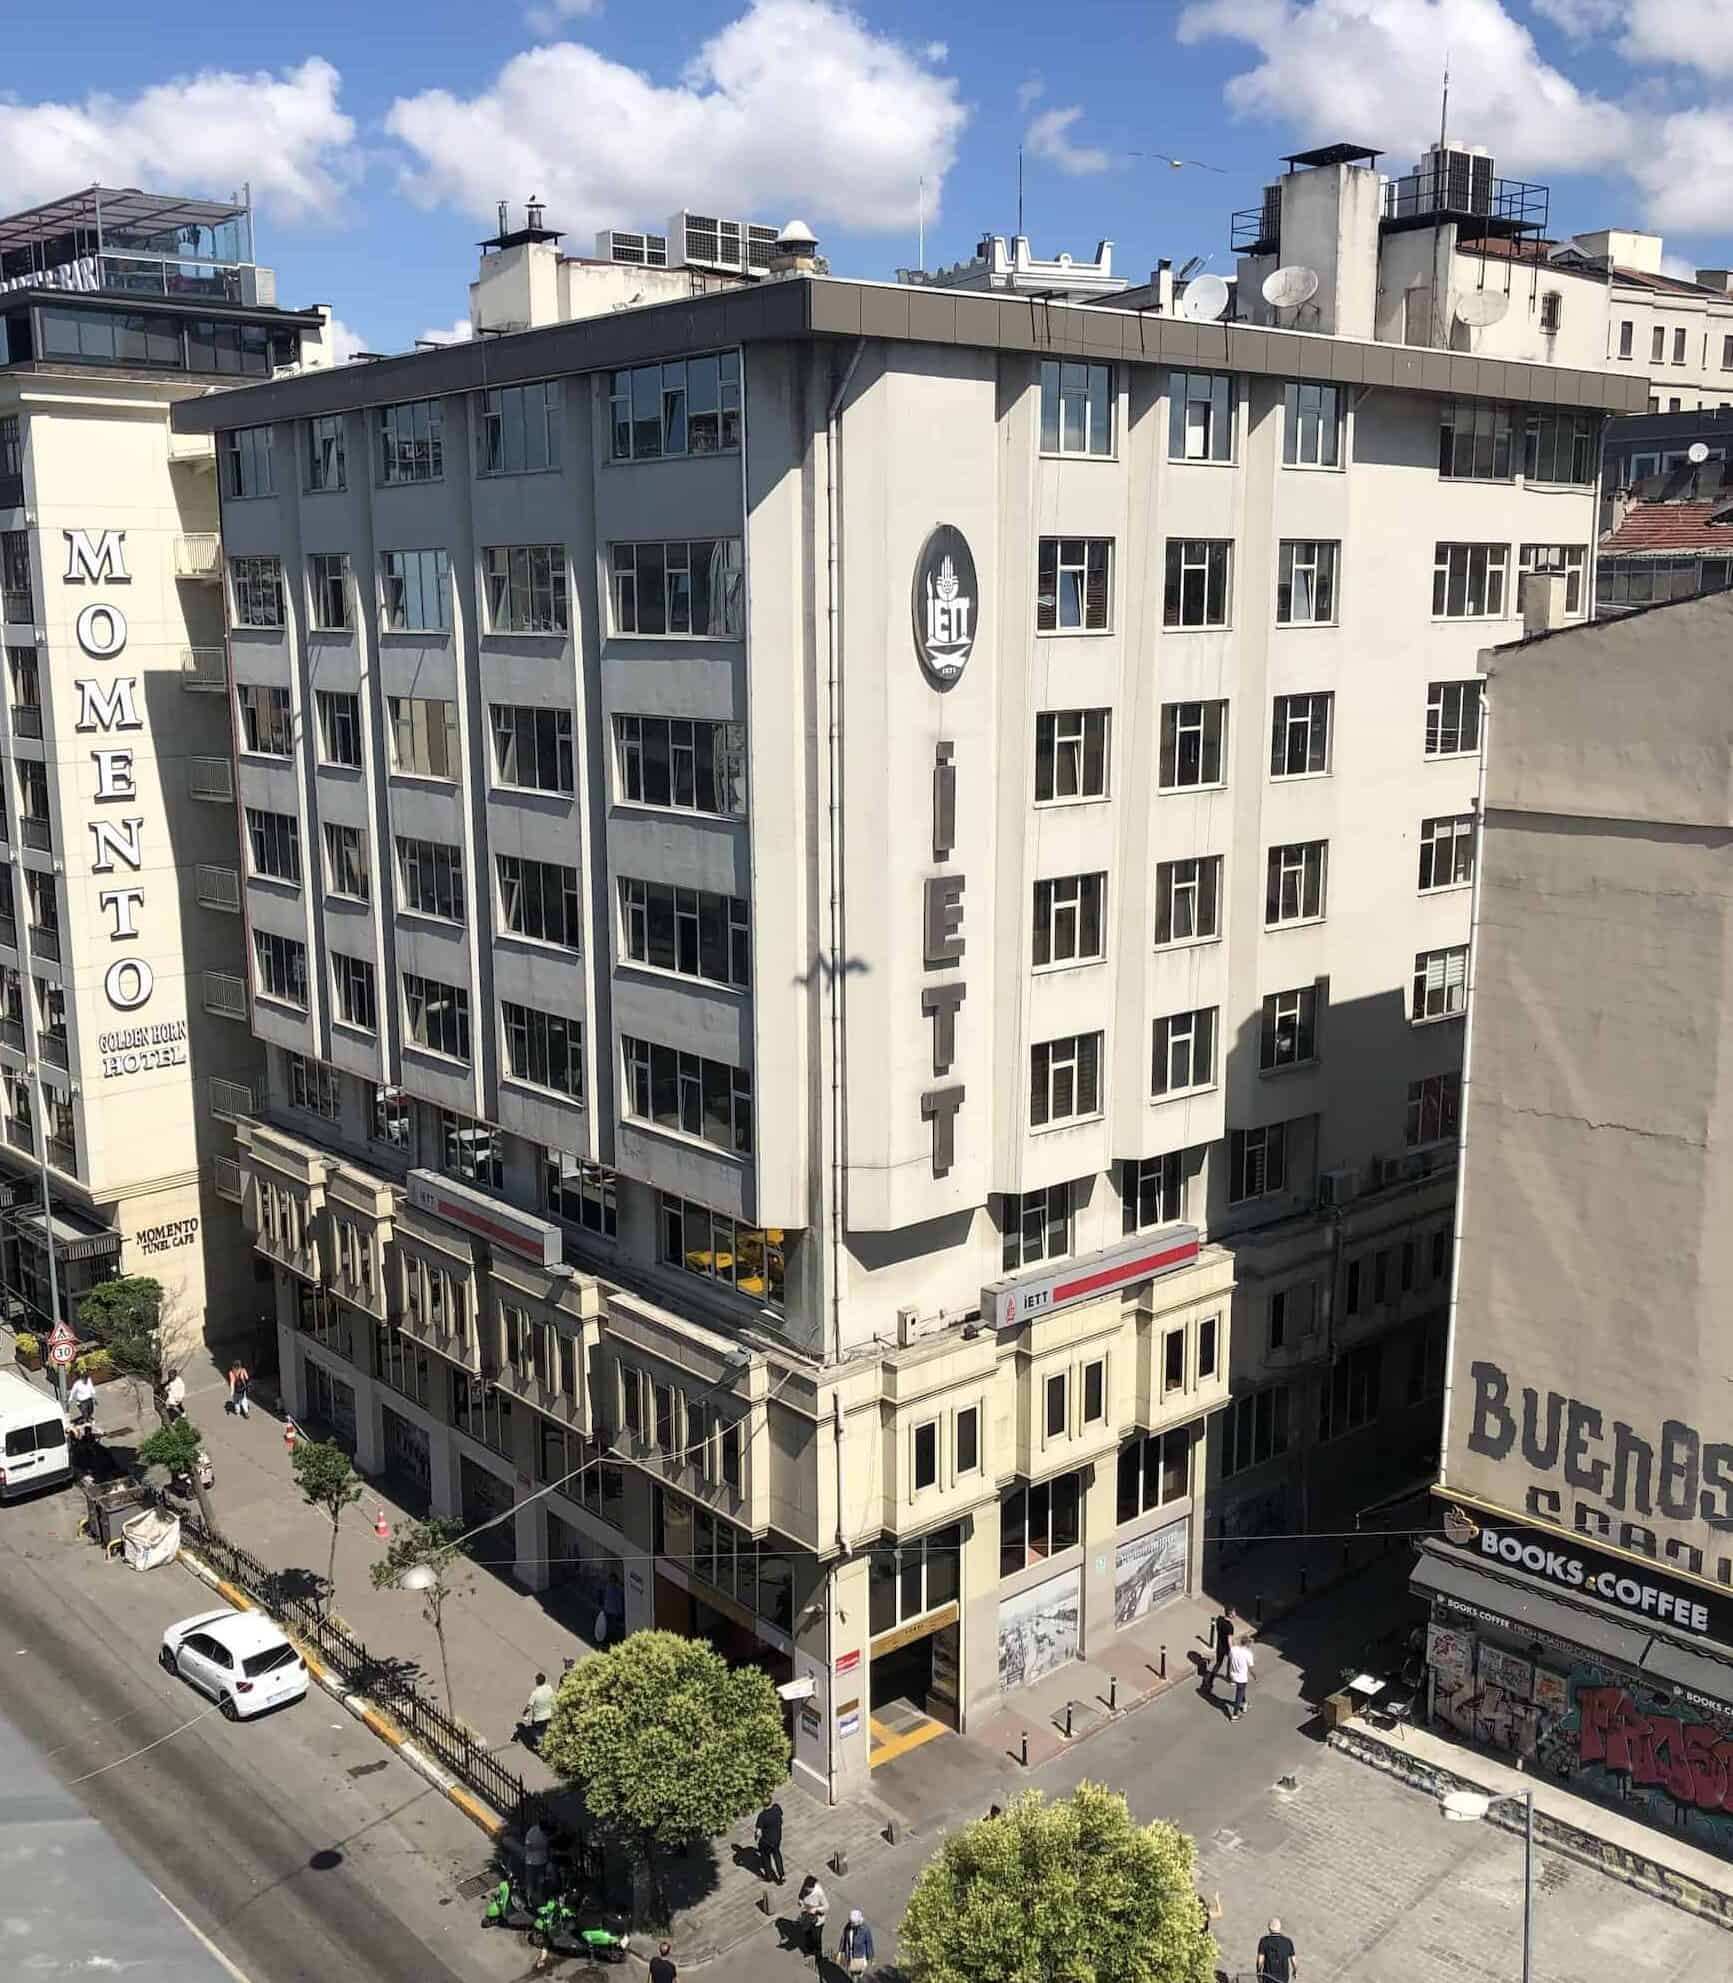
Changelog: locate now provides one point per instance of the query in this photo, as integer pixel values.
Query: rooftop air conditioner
(1338, 1187)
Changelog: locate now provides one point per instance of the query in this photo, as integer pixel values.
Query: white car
(240, 1658)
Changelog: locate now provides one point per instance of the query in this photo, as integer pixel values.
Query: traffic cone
(381, 1527)
(289, 1435)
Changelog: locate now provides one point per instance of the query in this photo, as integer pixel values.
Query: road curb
(367, 1712)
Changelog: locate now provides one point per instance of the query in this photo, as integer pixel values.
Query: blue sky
(377, 151)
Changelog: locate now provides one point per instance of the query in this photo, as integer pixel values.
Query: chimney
(1543, 602)
(1162, 283)
(796, 251)
(1720, 279)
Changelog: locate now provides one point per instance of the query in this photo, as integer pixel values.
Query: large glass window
(684, 586)
(352, 989)
(1254, 1428)
(472, 1151)
(1065, 1079)
(520, 430)
(339, 714)
(1183, 1057)
(907, 1580)
(546, 1049)
(1257, 1162)
(436, 1016)
(1474, 440)
(245, 453)
(687, 406)
(1559, 445)
(1193, 744)
(1076, 407)
(1468, 581)
(417, 591)
(1200, 416)
(1288, 1029)
(689, 930)
(540, 900)
(687, 766)
(430, 878)
(1306, 583)
(1198, 592)
(526, 588)
(1188, 899)
(1311, 426)
(686, 1092)
(282, 967)
(1152, 1191)
(423, 736)
(1074, 584)
(749, 1259)
(1434, 1109)
(267, 721)
(1569, 560)
(1039, 1521)
(325, 462)
(1069, 923)
(1452, 719)
(412, 441)
(274, 842)
(1300, 735)
(257, 587)
(328, 589)
(1035, 1226)
(1071, 753)
(1440, 983)
(1294, 891)
(125, 337)
(1154, 1469)
(533, 748)
(1446, 852)
(581, 1193)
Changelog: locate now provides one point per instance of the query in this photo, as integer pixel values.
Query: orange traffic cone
(381, 1527)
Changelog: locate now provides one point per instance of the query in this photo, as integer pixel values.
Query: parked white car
(240, 1658)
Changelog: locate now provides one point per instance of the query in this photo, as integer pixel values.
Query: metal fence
(381, 1680)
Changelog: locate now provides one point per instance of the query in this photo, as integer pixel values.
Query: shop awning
(1450, 1577)
(1668, 1660)
(74, 1238)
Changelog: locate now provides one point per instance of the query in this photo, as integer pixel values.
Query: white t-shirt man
(1239, 1672)
(83, 1390)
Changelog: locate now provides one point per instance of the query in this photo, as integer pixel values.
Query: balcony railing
(12, 1034)
(9, 932)
(37, 833)
(52, 1047)
(45, 943)
(27, 719)
(20, 1135)
(63, 1153)
(199, 554)
(205, 668)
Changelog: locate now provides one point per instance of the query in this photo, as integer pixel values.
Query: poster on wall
(1450, 1654)
(1040, 1629)
(1148, 1568)
(1552, 1691)
(1505, 1671)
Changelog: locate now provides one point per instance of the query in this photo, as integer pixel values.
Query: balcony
(205, 668)
(12, 1034)
(37, 833)
(199, 554)
(45, 943)
(9, 932)
(198, 449)
(27, 719)
(52, 1047)
(18, 604)
(63, 1154)
(20, 1135)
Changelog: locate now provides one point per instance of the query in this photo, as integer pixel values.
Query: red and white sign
(1010, 1303)
(848, 1662)
(500, 1225)
(62, 1332)
(62, 1353)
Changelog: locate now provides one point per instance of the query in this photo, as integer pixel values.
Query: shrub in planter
(96, 1365)
(27, 1350)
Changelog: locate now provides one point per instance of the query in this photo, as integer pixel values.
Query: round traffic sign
(62, 1353)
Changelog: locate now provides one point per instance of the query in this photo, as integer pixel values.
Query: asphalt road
(298, 1844)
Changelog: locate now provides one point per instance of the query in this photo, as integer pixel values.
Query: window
(1300, 735)
(16, 590)
(1434, 1111)
(1206, 1349)
(1560, 446)
(1440, 983)
(325, 453)
(246, 459)
(967, 1439)
(539, 899)
(1152, 1192)
(423, 736)
(581, 1193)
(544, 1049)
(1172, 1362)
(1306, 585)
(1065, 1079)
(430, 878)
(687, 586)
(11, 445)
(1039, 1521)
(1154, 1469)
(1551, 312)
(281, 967)
(1188, 900)
(267, 727)
(390, 1117)
(1452, 719)
(1193, 744)
(1468, 581)
(1570, 559)
(1254, 1429)
(1076, 408)
(1446, 852)
(1348, 1398)
(689, 406)
(1200, 416)
(274, 842)
(1288, 1034)
(1679, 346)
(686, 1092)
(1071, 747)
(411, 441)
(257, 586)
(913, 1578)
(1296, 883)
(436, 1016)
(526, 588)
(1627, 330)
(688, 930)
(926, 1455)
(1197, 582)
(470, 1150)
(1058, 1402)
(520, 430)
(1312, 426)
(1257, 1162)
(1035, 1226)
(328, 585)
(1184, 1053)
(712, 1246)
(346, 862)
(417, 591)
(1658, 346)
(339, 715)
(1068, 919)
(532, 748)
(1073, 584)
(352, 992)
(313, 1087)
(1474, 440)
(687, 766)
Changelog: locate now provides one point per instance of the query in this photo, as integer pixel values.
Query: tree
(327, 1482)
(1071, 1889)
(126, 1316)
(428, 1550)
(669, 1743)
(176, 1444)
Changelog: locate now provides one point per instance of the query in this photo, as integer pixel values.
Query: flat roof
(135, 299)
(800, 308)
(1333, 155)
(114, 206)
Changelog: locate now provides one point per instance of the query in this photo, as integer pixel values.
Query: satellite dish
(1481, 306)
(1287, 289)
(1190, 269)
(1697, 452)
(1206, 297)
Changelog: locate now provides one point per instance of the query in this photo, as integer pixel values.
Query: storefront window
(907, 1579)
(1039, 1521)
(402, 1363)
(1152, 1472)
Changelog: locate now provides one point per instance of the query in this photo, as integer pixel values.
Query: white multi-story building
(125, 1056)
(859, 897)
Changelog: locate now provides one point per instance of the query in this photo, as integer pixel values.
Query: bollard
(888, 1831)
(839, 1863)
(1164, 1662)
(763, 1903)
(1024, 1758)
(1113, 1693)
(1259, 1606)
(1068, 1721)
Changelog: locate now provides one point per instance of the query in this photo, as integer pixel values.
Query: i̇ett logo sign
(946, 605)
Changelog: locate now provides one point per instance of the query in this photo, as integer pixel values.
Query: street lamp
(1465, 1806)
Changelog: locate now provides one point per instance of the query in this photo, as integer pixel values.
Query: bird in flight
(1178, 164)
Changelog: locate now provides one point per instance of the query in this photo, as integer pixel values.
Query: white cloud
(201, 134)
(1582, 18)
(796, 104)
(1684, 165)
(938, 51)
(1030, 91)
(1049, 137)
(1695, 34)
(346, 343)
(550, 16)
(457, 332)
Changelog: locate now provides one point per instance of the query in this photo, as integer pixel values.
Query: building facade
(858, 899)
(1580, 1591)
(125, 1054)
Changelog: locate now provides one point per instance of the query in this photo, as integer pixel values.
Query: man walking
(538, 1712)
(1277, 1962)
(768, 1833)
(240, 1382)
(1222, 1631)
(662, 1968)
(84, 1397)
(1239, 1673)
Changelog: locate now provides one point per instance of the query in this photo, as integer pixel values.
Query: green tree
(327, 1482)
(176, 1445)
(1071, 1890)
(422, 1557)
(669, 1743)
(125, 1317)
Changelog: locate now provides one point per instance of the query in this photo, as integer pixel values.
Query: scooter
(556, 1932)
(508, 1909)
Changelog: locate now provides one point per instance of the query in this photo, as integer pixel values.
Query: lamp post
(1465, 1806)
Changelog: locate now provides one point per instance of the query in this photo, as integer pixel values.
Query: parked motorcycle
(557, 1931)
(507, 1908)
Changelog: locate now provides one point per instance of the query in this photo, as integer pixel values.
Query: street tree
(423, 1557)
(177, 1445)
(1074, 1888)
(668, 1742)
(327, 1482)
(125, 1317)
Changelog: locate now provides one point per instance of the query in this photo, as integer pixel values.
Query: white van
(33, 1448)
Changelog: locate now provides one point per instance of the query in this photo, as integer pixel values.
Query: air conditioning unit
(1339, 1187)
(908, 1326)
(1386, 1171)
(1418, 1165)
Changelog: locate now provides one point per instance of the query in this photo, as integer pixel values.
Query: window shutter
(1455, 973)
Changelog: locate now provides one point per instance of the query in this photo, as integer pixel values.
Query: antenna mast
(1440, 178)
(1019, 189)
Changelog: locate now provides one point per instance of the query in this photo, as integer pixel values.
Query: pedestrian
(1212, 1912)
(174, 1397)
(84, 1397)
(1277, 1961)
(768, 1834)
(240, 1379)
(538, 1712)
(855, 1947)
(662, 1968)
(1240, 1673)
(535, 1861)
(814, 1912)
(1223, 1630)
